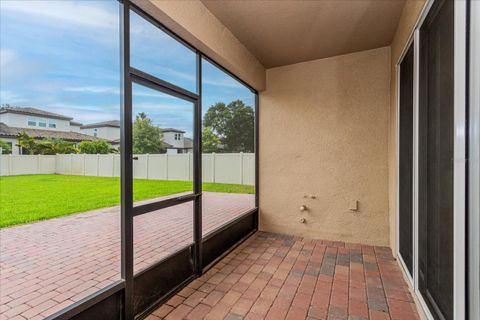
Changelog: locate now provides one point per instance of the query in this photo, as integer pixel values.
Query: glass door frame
(474, 168)
(204, 252)
(131, 75)
(141, 78)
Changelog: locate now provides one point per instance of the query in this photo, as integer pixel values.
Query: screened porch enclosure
(121, 230)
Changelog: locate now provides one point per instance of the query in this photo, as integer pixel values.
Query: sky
(64, 56)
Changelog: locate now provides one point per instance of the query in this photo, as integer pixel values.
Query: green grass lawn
(36, 197)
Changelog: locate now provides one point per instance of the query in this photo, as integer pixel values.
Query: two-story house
(109, 130)
(173, 139)
(176, 142)
(39, 124)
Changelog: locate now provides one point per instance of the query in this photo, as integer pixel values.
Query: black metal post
(126, 164)
(197, 172)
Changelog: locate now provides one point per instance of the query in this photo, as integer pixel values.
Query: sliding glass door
(432, 131)
(436, 154)
(405, 160)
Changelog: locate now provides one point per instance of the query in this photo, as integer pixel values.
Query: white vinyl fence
(236, 168)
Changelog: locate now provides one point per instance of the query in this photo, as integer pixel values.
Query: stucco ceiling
(285, 32)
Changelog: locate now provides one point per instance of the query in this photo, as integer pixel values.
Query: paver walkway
(48, 265)
(276, 277)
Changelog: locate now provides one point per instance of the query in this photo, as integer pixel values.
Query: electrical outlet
(353, 205)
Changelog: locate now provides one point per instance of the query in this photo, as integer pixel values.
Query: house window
(177, 136)
(31, 122)
(42, 123)
(95, 132)
(52, 124)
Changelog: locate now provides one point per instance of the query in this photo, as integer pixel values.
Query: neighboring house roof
(116, 124)
(13, 132)
(33, 112)
(188, 143)
(172, 130)
(111, 123)
(75, 123)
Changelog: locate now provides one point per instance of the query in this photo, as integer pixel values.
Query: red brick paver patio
(48, 265)
(275, 277)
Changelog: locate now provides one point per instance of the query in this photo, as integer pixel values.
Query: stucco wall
(410, 14)
(195, 23)
(323, 132)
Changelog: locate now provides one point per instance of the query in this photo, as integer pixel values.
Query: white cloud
(163, 108)
(93, 89)
(10, 97)
(137, 92)
(79, 13)
(15, 67)
(152, 93)
(222, 82)
(85, 114)
(7, 57)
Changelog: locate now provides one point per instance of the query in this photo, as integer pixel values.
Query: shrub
(45, 146)
(6, 147)
(95, 147)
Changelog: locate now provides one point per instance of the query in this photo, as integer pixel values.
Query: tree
(233, 124)
(210, 142)
(147, 138)
(27, 143)
(45, 146)
(6, 147)
(96, 147)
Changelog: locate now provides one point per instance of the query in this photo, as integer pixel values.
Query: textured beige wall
(324, 132)
(191, 20)
(409, 17)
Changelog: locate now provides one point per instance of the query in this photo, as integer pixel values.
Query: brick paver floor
(48, 265)
(275, 277)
